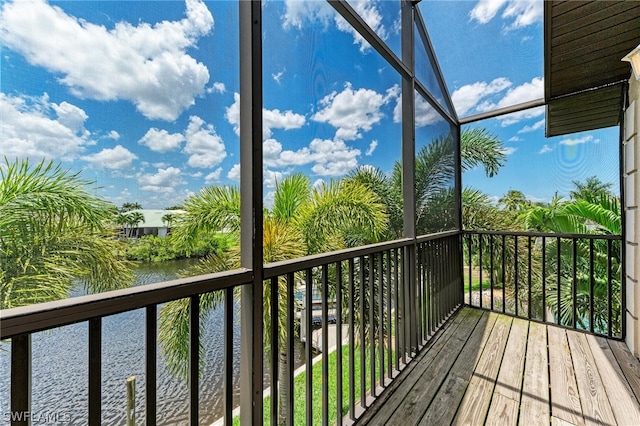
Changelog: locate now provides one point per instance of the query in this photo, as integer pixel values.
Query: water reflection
(60, 367)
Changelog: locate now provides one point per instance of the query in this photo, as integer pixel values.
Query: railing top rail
(544, 234)
(43, 316)
(437, 236)
(276, 269)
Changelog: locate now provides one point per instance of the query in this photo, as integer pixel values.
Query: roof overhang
(584, 44)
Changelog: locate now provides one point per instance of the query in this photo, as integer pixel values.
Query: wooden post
(131, 401)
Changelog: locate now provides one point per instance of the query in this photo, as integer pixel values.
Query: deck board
(475, 403)
(595, 403)
(488, 368)
(443, 407)
(534, 403)
(565, 400)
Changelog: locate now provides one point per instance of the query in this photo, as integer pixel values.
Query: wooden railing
(386, 300)
(572, 280)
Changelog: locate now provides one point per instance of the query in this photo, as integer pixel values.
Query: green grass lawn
(299, 392)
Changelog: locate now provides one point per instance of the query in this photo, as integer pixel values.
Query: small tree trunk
(131, 401)
(283, 387)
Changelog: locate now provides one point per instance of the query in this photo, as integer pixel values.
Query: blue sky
(143, 96)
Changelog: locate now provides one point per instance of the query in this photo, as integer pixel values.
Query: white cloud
(485, 10)
(277, 76)
(217, 87)
(482, 97)
(536, 126)
(578, 141)
(545, 148)
(161, 140)
(34, 127)
(353, 111)
(330, 157)
(271, 178)
(234, 173)
(517, 13)
(275, 119)
(118, 158)
(469, 96)
(213, 176)
(204, 146)
(318, 183)
(425, 114)
(372, 147)
(165, 180)
(113, 135)
(271, 119)
(298, 13)
(371, 15)
(514, 139)
(144, 64)
(508, 150)
(333, 158)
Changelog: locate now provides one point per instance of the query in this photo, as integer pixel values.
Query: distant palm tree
(514, 200)
(592, 189)
(302, 221)
(52, 233)
(133, 220)
(127, 207)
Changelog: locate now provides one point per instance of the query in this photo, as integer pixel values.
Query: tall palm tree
(592, 189)
(302, 221)
(581, 216)
(434, 179)
(134, 219)
(514, 200)
(53, 232)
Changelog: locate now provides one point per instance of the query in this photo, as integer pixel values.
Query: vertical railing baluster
(609, 290)
(470, 269)
(504, 272)
(338, 314)
(402, 311)
(228, 356)
(372, 324)
(529, 277)
(491, 272)
(363, 369)
(325, 345)
(381, 317)
(429, 285)
(591, 285)
(352, 344)
(95, 371)
(275, 351)
(544, 279)
(309, 346)
(574, 288)
(291, 320)
(396, 309)
(194, 359)
(515, 273)
(21, 378)
(558, 279)
(480, 268)
(151, 362)
(388, 315)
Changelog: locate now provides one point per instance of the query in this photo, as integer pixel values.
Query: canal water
(60, 367)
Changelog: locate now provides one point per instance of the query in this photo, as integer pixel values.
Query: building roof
(153, 218)
(584, 44)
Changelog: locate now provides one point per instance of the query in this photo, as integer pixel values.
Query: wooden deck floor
(488, 368)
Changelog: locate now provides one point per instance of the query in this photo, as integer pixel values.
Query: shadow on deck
(489, 368)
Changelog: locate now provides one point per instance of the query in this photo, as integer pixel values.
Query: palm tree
(127, 207)
(592, 189)
(133, 220)
(434, 179)
(514, 200)
(52, 233)
(581, 216)
(302, 221)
